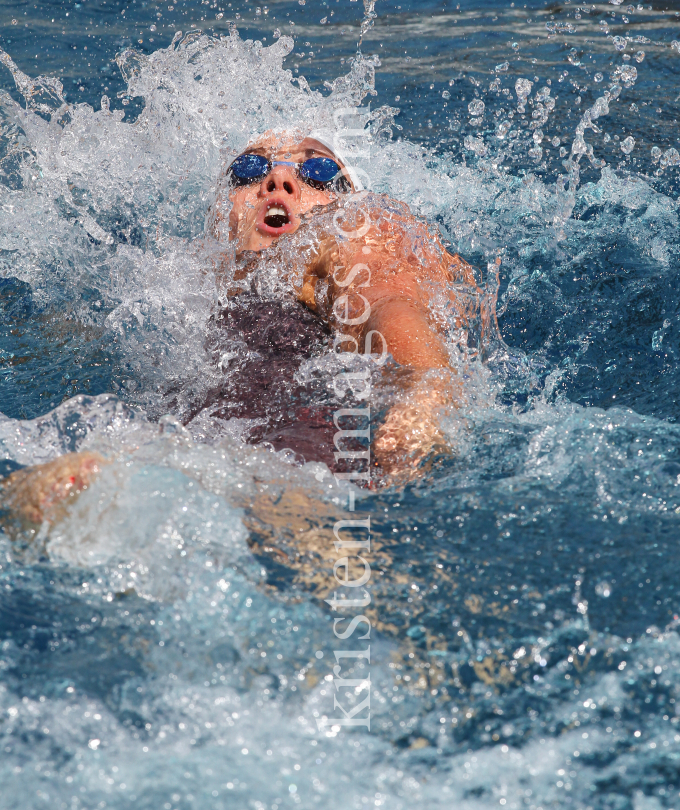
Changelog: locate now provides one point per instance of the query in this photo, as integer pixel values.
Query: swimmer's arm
(407, 332)
(36, 494)
(374, 284)
(394, 305)
(412, 431)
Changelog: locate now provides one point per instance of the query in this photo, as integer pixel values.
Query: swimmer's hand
(323, 255)
(38, 494)
(411, 432)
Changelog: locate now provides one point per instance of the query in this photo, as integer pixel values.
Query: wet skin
(280, 188)
(396, 294)
(394, 291)
(398, 308)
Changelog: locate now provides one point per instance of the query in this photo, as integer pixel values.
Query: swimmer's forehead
(294, 150)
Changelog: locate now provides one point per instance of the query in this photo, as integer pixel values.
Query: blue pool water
(167, 645)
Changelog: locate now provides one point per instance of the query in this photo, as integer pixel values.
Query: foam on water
(174, 642)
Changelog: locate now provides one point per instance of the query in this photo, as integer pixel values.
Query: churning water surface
(167, 644)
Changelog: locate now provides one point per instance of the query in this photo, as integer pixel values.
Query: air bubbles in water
(598, 77)
(639, 56)
(619, 43)
(603, 589)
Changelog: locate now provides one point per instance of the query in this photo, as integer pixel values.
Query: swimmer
(371, 280)
(372, 275)
(273, 186)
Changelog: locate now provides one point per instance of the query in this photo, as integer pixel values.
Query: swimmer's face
(273, 206)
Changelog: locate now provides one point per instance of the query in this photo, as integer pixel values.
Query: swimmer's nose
(281, 179)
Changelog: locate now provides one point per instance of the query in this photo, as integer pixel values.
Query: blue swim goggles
(318, 172)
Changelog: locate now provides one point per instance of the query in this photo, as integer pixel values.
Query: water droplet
(598, 77)
(522, 88)
(626, 74)
(603, 589)
(670, 158)
(476, 107)
(475, 145)
(574, 57)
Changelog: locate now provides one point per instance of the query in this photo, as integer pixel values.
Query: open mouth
(276, 216)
